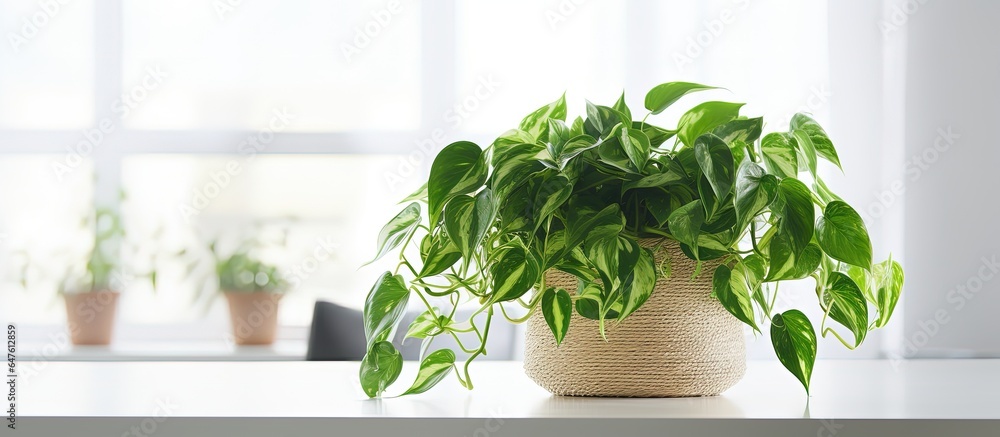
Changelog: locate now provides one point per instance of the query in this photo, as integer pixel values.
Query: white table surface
(920, 397)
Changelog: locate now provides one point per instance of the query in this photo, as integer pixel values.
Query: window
(330, 111)
(229, 68)
(46, 65)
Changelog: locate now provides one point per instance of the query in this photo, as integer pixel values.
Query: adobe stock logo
(426, 148)
(366, 33)
(126, 104)
(915, 167)
(713, 30)
(220, 178)
(899, 16)
(225, 7)
(959, 296)
(562, 12)
(30, 27)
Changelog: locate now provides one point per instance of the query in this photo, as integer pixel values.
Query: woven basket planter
(681, 342)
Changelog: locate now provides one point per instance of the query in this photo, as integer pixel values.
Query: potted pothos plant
(636, 249)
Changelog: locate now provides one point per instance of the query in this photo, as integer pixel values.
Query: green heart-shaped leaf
(807, 152)
(576, 129)
(575, 147)
(622, 108)
(780, 157)
(601, 120)
(379, 368)
(558, 136)
(400, 228)
(384, 306)
(419, 194)
(427, 324)
(685, 224)
(460, 168)
(590, 303)
(552, 193)
(433, 369)
(636, 146)
(664, 179)
(467, 220)
(703, 118)
(662, 96)
(786, 265)
(514, 272)
(842, 234)
(736, 300)
(746, 130)
(515, 170)
(440, 254)
(798, 216)
(716, 162)
(536, 124)
(755, 190)
(846, 305)
(794, 343)
(557, 307)
(581, 224)
(614, 257)
(641, 286)
(889, 281)
(821, 142)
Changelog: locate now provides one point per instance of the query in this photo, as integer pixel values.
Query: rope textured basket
(681, 342)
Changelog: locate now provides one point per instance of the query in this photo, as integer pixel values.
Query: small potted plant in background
(637, 250)
(91, 288)
(253, 289)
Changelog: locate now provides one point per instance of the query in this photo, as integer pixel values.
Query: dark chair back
(337, 334)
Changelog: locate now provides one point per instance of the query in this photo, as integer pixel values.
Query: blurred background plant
(102, 259)
(244, 259)
(242, 272)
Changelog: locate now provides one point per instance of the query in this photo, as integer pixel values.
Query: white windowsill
(189, 342)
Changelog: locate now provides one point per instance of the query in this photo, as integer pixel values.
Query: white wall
(951, 201)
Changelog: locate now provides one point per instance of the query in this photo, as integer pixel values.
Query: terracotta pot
(90, 316)
(681, 342)
(254, 316)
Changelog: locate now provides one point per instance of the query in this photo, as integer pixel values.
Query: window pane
(331, 207)
(46, 64)
(230, 67)
(534, 52)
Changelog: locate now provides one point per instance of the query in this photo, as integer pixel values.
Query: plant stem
(825, 330)
(460, 345)
(531, 312)
(766, 238)
(424, 299)
(408, 266)
(835, 334)
(600, 182)
(753, 238)
(774, 297)
(655, 231)
(482, 348)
